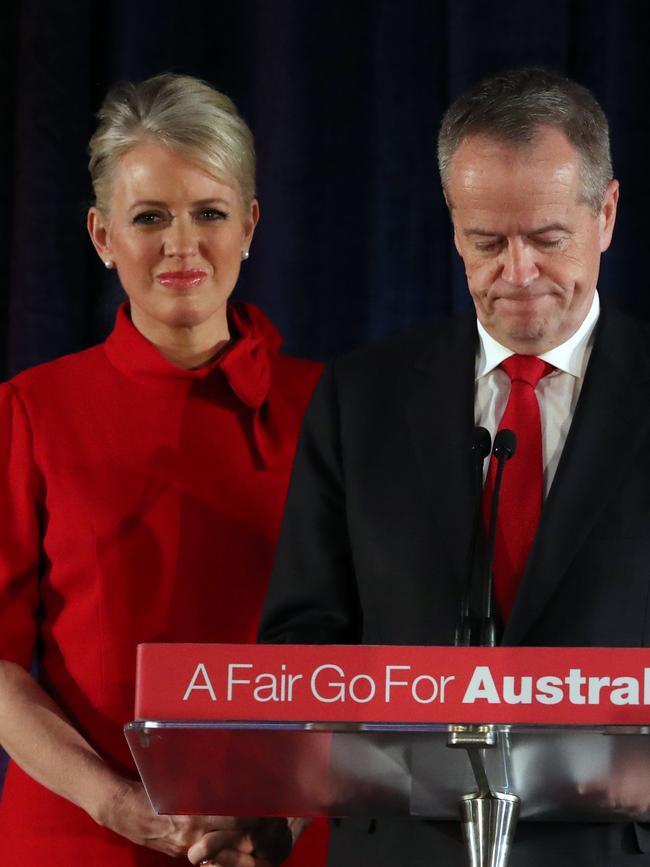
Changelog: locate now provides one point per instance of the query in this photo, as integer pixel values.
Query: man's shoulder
(617, 317)
(425, 346)
(625, 339)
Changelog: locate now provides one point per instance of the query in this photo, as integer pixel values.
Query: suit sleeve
(312, 597)
(20, 545)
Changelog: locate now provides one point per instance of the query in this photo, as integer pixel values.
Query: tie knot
(526, 368)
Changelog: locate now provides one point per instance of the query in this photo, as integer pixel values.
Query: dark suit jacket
(375, 541)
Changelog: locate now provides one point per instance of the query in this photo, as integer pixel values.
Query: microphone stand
(481, 448)
(505, 445)
(488, 818)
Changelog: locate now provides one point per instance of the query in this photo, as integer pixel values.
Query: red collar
(245, 366)
(244, 363)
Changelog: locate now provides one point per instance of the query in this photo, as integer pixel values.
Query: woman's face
(176, 236)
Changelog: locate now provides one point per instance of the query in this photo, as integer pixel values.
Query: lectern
(485, 736)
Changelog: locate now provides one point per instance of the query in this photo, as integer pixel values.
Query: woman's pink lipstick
(181, 279)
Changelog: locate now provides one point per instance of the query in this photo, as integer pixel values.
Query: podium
(486, 736)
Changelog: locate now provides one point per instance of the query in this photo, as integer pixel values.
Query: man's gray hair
(512, 106)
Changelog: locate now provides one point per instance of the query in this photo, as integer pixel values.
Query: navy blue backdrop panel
(345, 99)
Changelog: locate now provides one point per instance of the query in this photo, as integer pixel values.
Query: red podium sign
(514, 685)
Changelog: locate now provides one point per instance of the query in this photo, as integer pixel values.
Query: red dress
(138, 502)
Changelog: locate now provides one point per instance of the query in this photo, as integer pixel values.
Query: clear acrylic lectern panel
(296, 769)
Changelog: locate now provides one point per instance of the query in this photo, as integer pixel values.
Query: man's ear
(607, 215)
(451, 217)
(456, 243)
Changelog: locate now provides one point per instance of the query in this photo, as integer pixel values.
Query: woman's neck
(188, 346)
(191, 358)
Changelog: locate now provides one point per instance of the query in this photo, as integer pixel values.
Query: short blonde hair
(181, 112)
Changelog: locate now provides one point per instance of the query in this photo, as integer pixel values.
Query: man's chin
(529, 337)
(533, 331)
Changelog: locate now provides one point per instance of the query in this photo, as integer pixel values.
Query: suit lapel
(611, 422)
(439, 399)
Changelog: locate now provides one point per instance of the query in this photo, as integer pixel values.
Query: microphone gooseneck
(481, 446)
(505, 445)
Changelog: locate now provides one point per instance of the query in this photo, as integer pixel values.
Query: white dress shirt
(557, 393)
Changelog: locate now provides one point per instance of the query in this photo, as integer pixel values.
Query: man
(378, 525)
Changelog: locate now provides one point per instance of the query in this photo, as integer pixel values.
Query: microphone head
(505, 444)
(481, 442)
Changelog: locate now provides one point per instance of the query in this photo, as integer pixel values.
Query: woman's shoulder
(65, 373)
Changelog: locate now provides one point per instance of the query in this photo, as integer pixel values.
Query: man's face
(530, 244)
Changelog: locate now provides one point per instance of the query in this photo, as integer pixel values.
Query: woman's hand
(37, 735)
(129, 814)
(260, 843)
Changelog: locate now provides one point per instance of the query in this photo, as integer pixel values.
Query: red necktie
(522, 488)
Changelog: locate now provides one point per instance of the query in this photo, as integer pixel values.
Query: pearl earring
(244, 254)
(108, 263)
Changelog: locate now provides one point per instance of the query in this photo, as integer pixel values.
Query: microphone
(505, 445)
(481, 445)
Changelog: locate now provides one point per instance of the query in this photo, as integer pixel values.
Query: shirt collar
(569, 357)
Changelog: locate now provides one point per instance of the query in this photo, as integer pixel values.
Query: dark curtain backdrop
(344, 99)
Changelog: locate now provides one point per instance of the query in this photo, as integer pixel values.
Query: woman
(143, 481)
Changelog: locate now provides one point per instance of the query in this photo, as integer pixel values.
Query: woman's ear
(97, 226)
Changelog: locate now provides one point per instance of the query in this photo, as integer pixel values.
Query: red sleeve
(20, 546)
